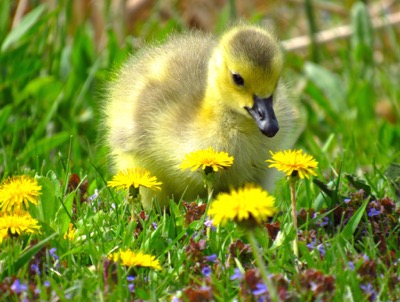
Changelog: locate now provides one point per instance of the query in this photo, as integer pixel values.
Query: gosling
(197, 91)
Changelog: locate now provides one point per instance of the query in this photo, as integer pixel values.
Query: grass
(51, 84)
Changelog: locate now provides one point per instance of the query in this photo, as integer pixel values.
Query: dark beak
(264, 115)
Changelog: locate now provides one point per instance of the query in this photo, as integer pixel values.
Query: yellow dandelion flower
(70, 234)
(293, 162)
(17, 224)
(136, 259)
(206, 160)
(3, 235)
(17, 192)
(134, 177)
(250, 203)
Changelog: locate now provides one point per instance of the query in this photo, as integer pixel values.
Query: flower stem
(294, 216)
(261, 266)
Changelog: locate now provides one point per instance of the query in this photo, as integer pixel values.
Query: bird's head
(245, 69)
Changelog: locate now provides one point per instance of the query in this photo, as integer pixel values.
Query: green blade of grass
(22, 28)
(354, 221)
(26, 256)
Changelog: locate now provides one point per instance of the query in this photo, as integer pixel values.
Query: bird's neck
(220, 117)
(212, 107)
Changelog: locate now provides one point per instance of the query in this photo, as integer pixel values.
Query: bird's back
(159, 87)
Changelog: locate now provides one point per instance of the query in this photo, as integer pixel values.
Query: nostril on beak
(260, 113)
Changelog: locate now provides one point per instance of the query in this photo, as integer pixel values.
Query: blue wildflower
(35, 269)
(46, 283)
(373, 212)
(212, 258)
(206, 271)
(52, 252)
(261, 289)
(369, 290)
(209, 224)
(18, 287)
(237, 274)
(312, 244)
(130, 278)
(321, 249)
(324, 222)
(351, 265)
(131, 287)
(313, 286)
(94, 196)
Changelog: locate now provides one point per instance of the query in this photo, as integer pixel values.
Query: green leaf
(362, 38)
(393, 175)
(359, 184)
(45, 145)
(354, 221)
(49, 204)
(5, 113)
(44, 88)
(327, 192)
(63, 215)
(23, 27)
(5, 16)
(331, 190)
(330, 84)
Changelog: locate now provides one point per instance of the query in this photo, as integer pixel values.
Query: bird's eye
(237, 78)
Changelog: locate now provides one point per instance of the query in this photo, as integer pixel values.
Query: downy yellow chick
(197, 91)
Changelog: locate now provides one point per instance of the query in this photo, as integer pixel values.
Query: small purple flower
(373, 212)
(46, 283)
(206, 271)
(212, 258)
(237, 274)
(130, 278)
(35, 269)
(131, 287)
(347, 200)
(52, 252)
(324, 222)
(154, 225)
(175, 299)
(351, 265)
(208, 223)
(314, 286)
(261, 289)
(312, 244)
(369, 290)
(321, 249)
(94, 196)
(18, 287)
